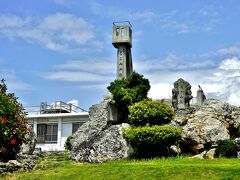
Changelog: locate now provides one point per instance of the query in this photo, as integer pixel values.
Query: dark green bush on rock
(226, 148)
(152, 141)
(68, 145)
(130, 90)
(12, 125)
(150, 112)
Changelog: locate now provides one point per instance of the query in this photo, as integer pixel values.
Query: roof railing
(117, 23)
(56, 107)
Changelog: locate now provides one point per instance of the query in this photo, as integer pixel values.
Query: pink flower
(4, 120)
(12, 141)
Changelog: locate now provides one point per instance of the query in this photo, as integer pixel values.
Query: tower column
(124, 62)
(122, 40)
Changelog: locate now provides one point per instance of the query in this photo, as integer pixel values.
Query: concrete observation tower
(122, 40)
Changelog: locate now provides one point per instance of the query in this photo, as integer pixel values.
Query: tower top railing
(122, 23)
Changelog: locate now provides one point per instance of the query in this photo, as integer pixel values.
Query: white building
(54, 123)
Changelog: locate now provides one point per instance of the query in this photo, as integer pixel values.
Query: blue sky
(61, 49)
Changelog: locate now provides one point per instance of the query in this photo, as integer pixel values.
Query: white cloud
(94, 86)
(74, 76)
(145, 16)
(171, 62)
(19, 85)
(162, 82)
(7, 74)
(232, 51)
(12, 21)
(68, 27)
(164, 90)
(95, 72)
(100, 66)
(60, 32)
(62, 2)
(172, 22)
(205, 20)
(12, 81)
(228, 75)
(230, 64)
(160, 91)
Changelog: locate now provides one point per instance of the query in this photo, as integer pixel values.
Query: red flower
(13, 141)
(4, 120)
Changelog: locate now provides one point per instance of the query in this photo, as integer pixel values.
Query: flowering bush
(12, 125)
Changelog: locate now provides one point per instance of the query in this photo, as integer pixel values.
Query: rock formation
(202, 125)
(237, 142)
(29, 147)
(97, 140)
(215, 120)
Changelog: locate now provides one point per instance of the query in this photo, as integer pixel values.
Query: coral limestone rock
(212, 122)
(97, 140)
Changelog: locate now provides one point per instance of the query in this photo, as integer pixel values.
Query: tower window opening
(122, 32)
(117, 31)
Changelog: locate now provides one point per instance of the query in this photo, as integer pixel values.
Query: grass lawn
(171, 168)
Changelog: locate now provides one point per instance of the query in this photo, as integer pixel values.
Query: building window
(47, 133)
(51, 133)
(75, 127)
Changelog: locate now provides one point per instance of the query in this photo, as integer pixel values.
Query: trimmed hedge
(226, 148)
(150, 112)
(152, 141)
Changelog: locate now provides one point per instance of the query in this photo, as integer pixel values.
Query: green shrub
(13, 129)
(150, 112)
(152, 141)
(226, 148)
(68, 144)
(233, 131)
(130, 90)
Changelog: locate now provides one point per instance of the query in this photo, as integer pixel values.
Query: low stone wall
(27, 163)
(25, 159)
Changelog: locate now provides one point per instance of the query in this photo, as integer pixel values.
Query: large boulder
(97, 140)
(110, 145)
(214, 121)
(28, 147)
(237, 142)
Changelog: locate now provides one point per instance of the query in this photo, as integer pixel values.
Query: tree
(13, 129)
(130, 90)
